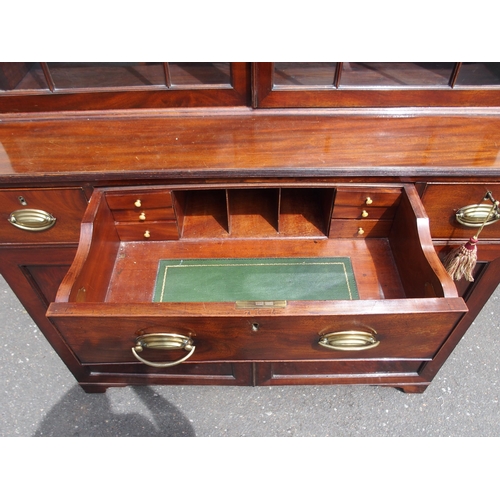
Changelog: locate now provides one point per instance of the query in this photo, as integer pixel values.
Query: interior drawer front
(380, 197)
(442, 201)
(141, 215)
(102, 339)
(365, 212)
(342, 228)
(148, 231)
(140, 200)
(66, 206)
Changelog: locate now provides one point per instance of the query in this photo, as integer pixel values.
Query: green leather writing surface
(230, 280)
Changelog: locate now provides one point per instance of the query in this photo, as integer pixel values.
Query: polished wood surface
(234, 182)
(247, 143)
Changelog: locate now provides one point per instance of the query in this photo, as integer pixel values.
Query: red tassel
(461, 262)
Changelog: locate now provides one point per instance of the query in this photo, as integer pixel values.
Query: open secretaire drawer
(112, 307)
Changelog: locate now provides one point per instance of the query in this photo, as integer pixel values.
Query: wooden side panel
(421, 271)
(88, 277)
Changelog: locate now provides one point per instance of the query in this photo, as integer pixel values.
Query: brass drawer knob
(361, 231)
(142, 216)
(147, 234)
(364, 214)
(368, 201)
(165, 341)
(138, 203)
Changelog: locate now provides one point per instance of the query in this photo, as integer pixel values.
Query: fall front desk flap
(255, 280)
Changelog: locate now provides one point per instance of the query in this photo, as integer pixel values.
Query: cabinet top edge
(247, 143)
(241, 111)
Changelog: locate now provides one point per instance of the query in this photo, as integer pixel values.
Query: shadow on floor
(80, 414)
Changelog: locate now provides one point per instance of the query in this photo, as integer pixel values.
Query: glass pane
(479, 73)
(200, 73)
(84, 75)
(21, 76)
(307, 74)
(381, 74)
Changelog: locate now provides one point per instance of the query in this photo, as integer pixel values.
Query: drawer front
(41, 215)
(103, 338)
(341, 228)
(367, 198)
(140, 206)
(365, 212)
(148, 231)
(146, 214)
(140, 200)
(442, 201)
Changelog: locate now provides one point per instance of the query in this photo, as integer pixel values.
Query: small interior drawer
(139, 199)
(405, 301)
(41, 215)
(363, 228)
(364, 212)
(140, 206)
(148, 231)
(366, 197)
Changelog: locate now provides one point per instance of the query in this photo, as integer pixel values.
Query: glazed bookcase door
(357, 84)
(26, 87)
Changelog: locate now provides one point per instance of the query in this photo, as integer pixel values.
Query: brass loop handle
(478, 215)
(165, 341)
(30, 219)
(349, 340)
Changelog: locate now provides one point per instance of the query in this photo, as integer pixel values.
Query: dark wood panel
(105, 335)
(24, 269)
(148, 231)
(243, 144)
(66, 205)
(442, 202)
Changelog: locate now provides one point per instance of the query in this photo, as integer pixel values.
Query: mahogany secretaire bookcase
(249, 223)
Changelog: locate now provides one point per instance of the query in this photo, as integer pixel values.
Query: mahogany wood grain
(422, 273)
(66, 205)
(119, 375)
(106, 333)
(442, 202)
(249, 144)
(362, 228)
(137, 262)
(149, 230)
(300, 157)
(23, 268)
(149, 199)
(96, 259)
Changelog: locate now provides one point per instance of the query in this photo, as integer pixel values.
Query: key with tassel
(461, 261)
